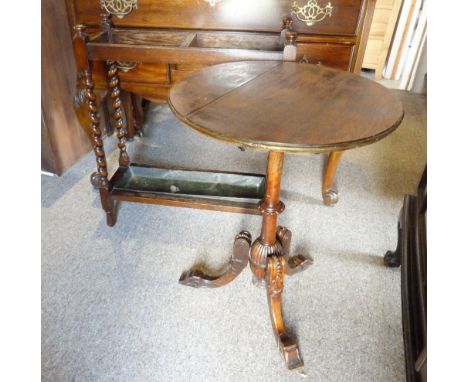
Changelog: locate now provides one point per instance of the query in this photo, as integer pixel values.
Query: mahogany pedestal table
(280, 107)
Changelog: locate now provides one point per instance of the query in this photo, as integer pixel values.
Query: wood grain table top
(285, 106)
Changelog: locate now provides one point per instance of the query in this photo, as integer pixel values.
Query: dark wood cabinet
(139, 48)
(164, 40)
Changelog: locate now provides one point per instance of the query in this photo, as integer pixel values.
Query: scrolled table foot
(298, 264)
(294, 264)
(275, 281)
(290, 353)
(196, 278)
(330, 197)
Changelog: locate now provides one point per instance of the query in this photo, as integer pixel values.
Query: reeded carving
(113, 79)
(119, 8)
(259, 252)
(311, 13)
(275, 277)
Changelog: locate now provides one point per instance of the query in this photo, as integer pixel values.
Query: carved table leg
(269, 257)
(329, 192)
(288, 348)
(198, 279)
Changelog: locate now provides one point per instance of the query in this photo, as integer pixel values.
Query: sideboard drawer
(240, 15)
(329, 54)
(145, 73)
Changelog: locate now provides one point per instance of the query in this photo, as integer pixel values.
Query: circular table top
(285, 106)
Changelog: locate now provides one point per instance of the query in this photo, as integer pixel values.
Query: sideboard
(138, 48)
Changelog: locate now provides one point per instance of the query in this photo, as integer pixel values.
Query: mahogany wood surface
(63, 140)
(286, 106)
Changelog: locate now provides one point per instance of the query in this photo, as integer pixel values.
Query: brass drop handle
(119, 8)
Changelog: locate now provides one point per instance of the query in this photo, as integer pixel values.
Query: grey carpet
(112, 309)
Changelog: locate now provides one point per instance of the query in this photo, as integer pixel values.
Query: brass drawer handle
(212, 2)
(126, 66)
(119, 8)
(311, 13)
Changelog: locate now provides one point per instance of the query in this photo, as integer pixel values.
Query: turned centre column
(267, 244)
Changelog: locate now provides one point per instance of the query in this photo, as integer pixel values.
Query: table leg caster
(330, 197)
(196, 278)
(329, 192)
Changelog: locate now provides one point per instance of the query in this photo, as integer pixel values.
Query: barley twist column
(113, 78)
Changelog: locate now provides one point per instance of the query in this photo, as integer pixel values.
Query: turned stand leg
(98, 179)
(113, 78)
(329, 191)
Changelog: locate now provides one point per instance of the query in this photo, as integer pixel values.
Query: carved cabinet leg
(113, 78)
(329, 191)
(198, 279)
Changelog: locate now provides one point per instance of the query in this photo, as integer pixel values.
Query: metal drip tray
(210, 185)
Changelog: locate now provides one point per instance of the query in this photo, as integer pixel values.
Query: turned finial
(287, 22)
(291, 38)
(106, 24)
(79, 29)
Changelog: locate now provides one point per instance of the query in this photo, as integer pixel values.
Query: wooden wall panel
(67, 142)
